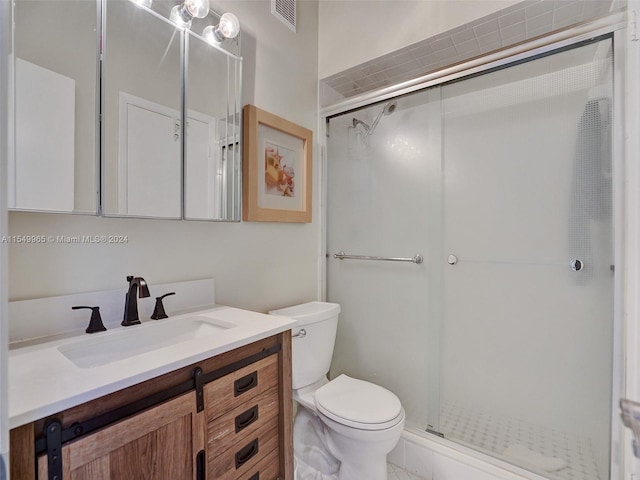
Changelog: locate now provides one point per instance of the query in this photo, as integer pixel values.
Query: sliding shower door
(528, 288)
(381, 168)
(502, 339)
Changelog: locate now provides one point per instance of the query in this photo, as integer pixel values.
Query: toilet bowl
(362, 421)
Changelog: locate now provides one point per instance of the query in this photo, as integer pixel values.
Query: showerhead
(388, 109)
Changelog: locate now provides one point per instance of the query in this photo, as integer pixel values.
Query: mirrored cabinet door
(54, 165)
(99, 109)
(212, 156)
(142, 113)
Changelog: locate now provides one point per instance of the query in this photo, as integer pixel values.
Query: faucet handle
(158, 311)
(95, 323)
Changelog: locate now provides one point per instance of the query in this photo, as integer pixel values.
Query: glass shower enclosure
(502, 338)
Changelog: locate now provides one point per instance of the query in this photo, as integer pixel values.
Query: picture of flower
(279, 171)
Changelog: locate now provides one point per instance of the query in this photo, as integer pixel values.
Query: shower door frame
(626, 225)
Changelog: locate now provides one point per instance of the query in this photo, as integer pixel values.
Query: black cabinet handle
(246, 453)
(246, 418)
(201, 466)
(245, 383)
(256, 476)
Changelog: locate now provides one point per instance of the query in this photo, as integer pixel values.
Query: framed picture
(276, 172)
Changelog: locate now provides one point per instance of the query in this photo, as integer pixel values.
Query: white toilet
(362, 421)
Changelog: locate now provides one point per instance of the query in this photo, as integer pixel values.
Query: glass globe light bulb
(229, 25)
(197, 8)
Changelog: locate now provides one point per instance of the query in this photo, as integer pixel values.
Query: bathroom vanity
(217, 404)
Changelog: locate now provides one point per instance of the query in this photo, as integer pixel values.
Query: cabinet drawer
(267, 469)
(242, 422)
(241, 460)
(240, 386)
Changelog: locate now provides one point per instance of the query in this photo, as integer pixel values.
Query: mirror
(153, 165)
(142, 105)
(212, 155)
(141, 159)
(54, 164)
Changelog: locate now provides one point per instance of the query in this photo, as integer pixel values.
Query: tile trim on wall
(505, 28)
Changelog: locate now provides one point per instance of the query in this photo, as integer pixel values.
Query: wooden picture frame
(276, 168)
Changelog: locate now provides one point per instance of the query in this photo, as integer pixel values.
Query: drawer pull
(245, 383)
(255, 477)
(245, 454)
(201, 466)
(246, 418)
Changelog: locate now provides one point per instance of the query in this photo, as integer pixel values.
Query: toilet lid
(358, 403)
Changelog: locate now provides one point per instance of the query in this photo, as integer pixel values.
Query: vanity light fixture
(228, 27)
(182, 14)
(144, 3)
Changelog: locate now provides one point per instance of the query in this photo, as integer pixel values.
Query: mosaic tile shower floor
(493, 434)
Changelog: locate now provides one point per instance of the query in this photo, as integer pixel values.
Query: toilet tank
(311, 353)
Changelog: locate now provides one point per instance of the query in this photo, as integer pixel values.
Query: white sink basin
(131, 341)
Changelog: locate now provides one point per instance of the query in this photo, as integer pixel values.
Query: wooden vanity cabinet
(235, 426)
(155, 444)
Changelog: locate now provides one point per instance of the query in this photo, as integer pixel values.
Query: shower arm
(374, 124)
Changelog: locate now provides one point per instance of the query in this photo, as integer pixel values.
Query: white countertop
(43, 381)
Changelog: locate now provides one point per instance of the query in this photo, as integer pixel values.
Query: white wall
(256, 265)
(353, 32)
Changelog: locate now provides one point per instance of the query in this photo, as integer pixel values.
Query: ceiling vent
(285, 11)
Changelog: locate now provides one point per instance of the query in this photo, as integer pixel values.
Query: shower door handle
(576, 264)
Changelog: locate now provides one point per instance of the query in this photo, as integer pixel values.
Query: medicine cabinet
(121, 111)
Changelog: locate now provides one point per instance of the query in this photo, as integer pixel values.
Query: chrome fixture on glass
(387, 109)
(576, 264)
(416, 259)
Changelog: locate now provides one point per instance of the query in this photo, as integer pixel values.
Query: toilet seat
(358, 404)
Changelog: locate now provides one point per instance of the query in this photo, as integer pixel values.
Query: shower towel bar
(341, 255)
